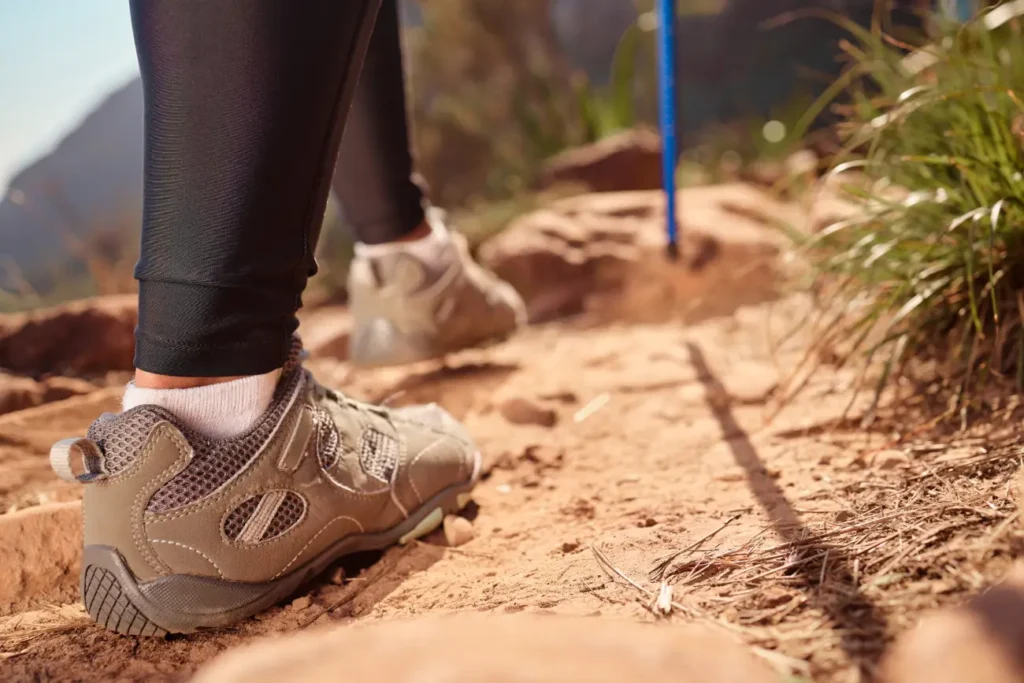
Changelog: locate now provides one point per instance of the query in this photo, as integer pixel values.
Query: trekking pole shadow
(861, 626)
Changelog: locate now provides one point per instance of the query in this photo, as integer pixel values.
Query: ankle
(429, 242)
(217, 407)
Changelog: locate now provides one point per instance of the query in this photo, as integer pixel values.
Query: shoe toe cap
(440, 452)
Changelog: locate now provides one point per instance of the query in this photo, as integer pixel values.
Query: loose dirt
(621, 460)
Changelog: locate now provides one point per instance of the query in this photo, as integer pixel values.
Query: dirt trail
(659, 442)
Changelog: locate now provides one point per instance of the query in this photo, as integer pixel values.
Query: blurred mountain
(92, 178)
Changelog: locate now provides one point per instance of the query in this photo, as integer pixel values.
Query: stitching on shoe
(230, 508)
(290, 530)
(136, 463)
(315, 536)
(353, 493)
(400, 466)
(249, 466)
(195, 550)
(221, 493)
(291, 438)
(412, 465)
(142, 497)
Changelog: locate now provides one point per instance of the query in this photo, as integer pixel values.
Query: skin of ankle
(149, 380)
(419, 232)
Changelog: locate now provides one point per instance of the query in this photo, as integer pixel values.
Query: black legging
(374, 176)
(245, 104)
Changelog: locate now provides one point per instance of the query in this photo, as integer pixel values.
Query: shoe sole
(180, 603)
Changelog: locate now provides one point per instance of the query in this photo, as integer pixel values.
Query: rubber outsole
(180, 603)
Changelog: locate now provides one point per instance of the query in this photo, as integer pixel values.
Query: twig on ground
(779, 661)
(595, 405)
(658, 573)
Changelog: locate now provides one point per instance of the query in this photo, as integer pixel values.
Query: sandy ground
(647, 452)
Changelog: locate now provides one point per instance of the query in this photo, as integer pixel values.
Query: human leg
(194, 518)
(415, 291)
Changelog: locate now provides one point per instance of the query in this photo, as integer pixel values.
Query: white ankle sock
(433, 248)
(218, 411)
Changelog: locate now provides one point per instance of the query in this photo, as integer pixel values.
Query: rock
(982, 642)
(457, 531)
(19, 393)
(41, 549)
(521, 411)
(544, 457)
(338, 576)
(58, 388)
(766, 172)
(83, 337)
(603, 254)
(465, 648)
(570, 546)
(301, 602)
(890, 460)
(630, 160)
(781, 173)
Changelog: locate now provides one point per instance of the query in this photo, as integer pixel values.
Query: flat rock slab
(604, 254)
(40, 555)
(469, 648)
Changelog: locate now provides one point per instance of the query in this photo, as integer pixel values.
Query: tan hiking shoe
(183, 532)
(407, 309)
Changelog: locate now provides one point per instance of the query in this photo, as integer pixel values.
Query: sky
(58, 60)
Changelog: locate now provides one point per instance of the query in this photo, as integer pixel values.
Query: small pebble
(338, 576)
(457, 531)
(301, 602)
(521, 411)
(569, 546)
(504, 488)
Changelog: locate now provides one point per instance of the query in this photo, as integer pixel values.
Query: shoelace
(321, 393)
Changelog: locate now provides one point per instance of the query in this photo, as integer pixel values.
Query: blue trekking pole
(667, 94)
(965, 10)
(961, 10)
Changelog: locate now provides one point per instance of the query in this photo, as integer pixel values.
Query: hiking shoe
(184, 532)
(407, 307)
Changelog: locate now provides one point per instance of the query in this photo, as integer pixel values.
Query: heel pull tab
(78, 460)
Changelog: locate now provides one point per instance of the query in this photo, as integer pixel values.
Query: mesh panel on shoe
(327, 440)
(121, 437)
(296, 354)
(288, 515)
(235, 522)
(214, 462)
(378, 454)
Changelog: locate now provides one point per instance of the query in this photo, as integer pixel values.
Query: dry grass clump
(932, 265)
